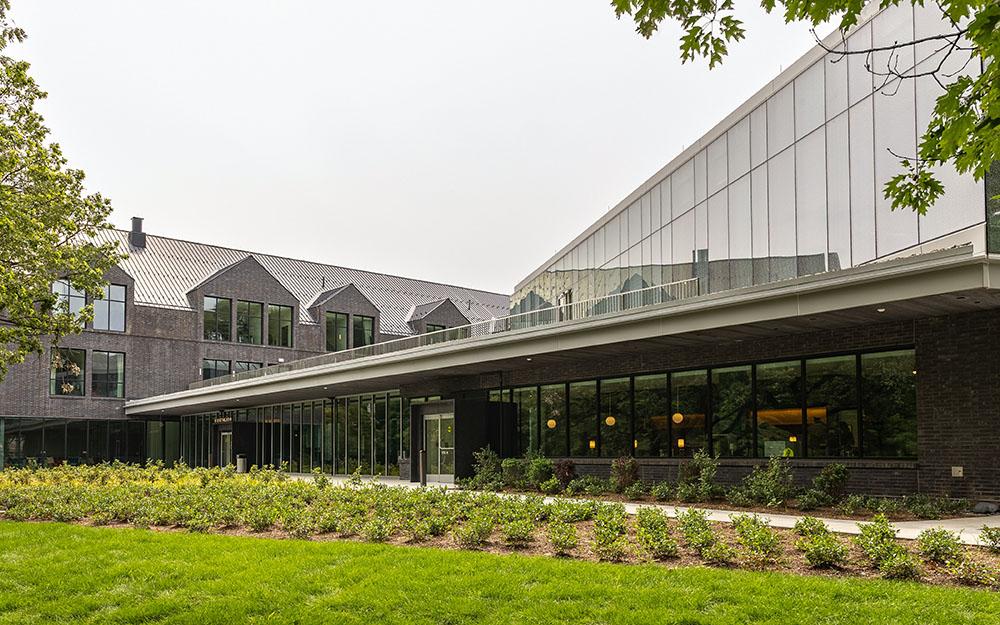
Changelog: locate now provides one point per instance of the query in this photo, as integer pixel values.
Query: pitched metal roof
(167, 269)
(420, 311)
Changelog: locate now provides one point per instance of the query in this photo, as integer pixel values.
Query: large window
(889, 410)
(68, 372)
(109, 310)
(108, 377)
(211, 368)
(217, 318)
(279, 325)
(832, 407)
(583, 418)
(688, 411)
(652, 416)
(364, 330)
(250, 322)
(732, 415)
(553, 420)
(526, 400)
(243, 365)
(72, 299)
(779, 409)
(616, 421)
(433, 327)
(336, 331)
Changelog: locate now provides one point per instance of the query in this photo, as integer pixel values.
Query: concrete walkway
(967, 528)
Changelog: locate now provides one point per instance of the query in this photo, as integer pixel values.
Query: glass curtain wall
(47, 442)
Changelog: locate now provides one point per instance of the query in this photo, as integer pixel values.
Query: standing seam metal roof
(166, 269)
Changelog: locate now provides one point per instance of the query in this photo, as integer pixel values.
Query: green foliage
(878, 540)
(927, 507)
(964, 128)
(697, 478)
(562, 535)
(761, 544)
(768, 486)
(822, 549)
(589, 485)
(518, 531)
(719, 553)
(990, 538)
(573, 511)
(974, 573)
(610, 533)
(899, 564)
(662, 491)
(486, 470)
(832, 481)
(50, 227)
(565, 471)
(476, 530)
(624, 473)
(539, 471)
(653, 534)
(810, 526)
(939, 545)
(514, 472)
(637, 491)
(696, 529)
(811, 498)
(551, 486)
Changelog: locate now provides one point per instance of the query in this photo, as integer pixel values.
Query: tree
(965, 126)
(48, 223)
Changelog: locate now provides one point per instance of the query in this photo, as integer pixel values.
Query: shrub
(899, 564)
(572, 511)
(518, 531)
(812, 498)
(989, 537)
(378, 528)
(877, 540)
(822, 550)
(662, 491)
(770, 485)
(761, 544)
(551, 486)
(697, 529)
(925, 507)
(513, 472)
(589, 485)
(475, 531)
(624, 473)
(939, 545)
(486, 467)
(831, 481)
(810, 526)
(853, 504)
(974, 573)
(562, 535)
(719, 553)
(653, 533)
(697, 478)
(610, 527)
(298, 523)
(638, 490)
(565, 471)
(738, 497)
(539, 470)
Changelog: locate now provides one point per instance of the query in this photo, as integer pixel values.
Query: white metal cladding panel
(167, 269)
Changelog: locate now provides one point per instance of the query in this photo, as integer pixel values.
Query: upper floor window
(74, 299)
(336, 331)
(242, 365)
(279, 325)
(108, 377)
(109, 310)
(364, 330)
(217, 318)
(68, 371)
(433, 327)
(211, 368)
(249, 322)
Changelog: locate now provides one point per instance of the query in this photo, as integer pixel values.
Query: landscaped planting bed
(768, 488)
(268, 503)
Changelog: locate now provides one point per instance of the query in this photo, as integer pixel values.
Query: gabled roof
(167, 269)
(228, 268)
(327, 295)
(420, 311)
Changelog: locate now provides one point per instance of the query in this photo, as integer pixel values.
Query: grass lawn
(57, 573)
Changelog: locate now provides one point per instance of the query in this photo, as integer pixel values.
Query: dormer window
(336, 331)
(73, 299)
(109, 310)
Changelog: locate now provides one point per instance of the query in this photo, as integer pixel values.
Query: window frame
(332, 316)
(248, 304)
(275, 341)
(119, 385)
(354, 326)
(54, 374)
(228, 337)
(106, 302)
(75, 299)
(249, 365)
(216, 361)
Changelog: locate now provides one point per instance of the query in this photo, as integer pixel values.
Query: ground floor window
(49, 442)
(840, 406)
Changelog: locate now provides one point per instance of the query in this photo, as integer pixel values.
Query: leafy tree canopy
(47, 221)
(964, 129)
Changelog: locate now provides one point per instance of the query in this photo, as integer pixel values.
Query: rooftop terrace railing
(585, 309)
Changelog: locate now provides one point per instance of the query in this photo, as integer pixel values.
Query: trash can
(241, 463)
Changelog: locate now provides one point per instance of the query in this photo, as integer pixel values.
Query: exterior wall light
(680, 443)
(609, 421)
(593, 444)
(677, 418)
(551, 424)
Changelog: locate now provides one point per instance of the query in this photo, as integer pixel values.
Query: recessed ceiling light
(880, 310)
(528, 358)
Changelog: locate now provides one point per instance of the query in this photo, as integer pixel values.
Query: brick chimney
(137, 238)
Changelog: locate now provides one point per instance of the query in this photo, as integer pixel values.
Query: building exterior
(756, 297)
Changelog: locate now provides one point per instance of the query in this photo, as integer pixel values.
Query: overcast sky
(457, 141)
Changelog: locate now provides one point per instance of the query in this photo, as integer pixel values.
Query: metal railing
(586, 309)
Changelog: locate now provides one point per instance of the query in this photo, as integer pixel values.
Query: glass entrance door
(225, 449)
(439, 441)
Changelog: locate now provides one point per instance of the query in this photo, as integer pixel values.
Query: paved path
(967, 528)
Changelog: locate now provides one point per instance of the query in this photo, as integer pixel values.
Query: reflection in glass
(615, 423)
(732, 418)
(779, 409)
(553, 420)
(583, 418)
(832, 407)
(688, 412)
(652, 416)
(889, 411)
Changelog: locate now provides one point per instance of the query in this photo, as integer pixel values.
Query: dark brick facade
(958, 398)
